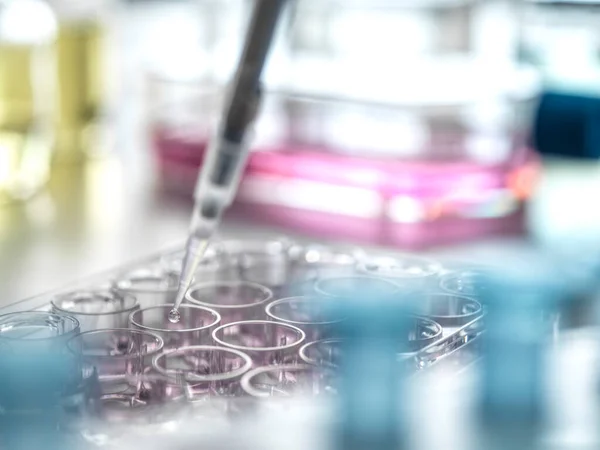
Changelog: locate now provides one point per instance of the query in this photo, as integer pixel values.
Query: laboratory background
(377, 223)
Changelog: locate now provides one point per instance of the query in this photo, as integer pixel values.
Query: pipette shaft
(227, 154)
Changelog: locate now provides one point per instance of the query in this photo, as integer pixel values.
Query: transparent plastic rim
(369, 266)
(267, 294)
(301, 299)
(122, 283)
(318, 286)
(62, 310)
(475, 275)
(431, 324)
(61, 317)
(258, 349)
(167, 308)
(322, 254)
(304, 350)
(211, 377)
(280, 244)
(247, 379)
(158, 340)
(440, 318)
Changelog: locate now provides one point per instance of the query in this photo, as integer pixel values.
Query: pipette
(226, 157)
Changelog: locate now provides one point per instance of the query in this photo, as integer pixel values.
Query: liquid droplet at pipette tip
(174, 316)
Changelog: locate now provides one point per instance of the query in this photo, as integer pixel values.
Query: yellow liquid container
(51, 90)
(79, 65)
(26, 138)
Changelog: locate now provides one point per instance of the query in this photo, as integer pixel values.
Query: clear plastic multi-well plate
(253, 326)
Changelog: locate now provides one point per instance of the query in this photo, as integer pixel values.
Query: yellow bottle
(51, 89)
(27, 30)
(79, 58)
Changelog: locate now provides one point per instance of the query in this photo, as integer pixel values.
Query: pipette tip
(174, 315)
(195, 249)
